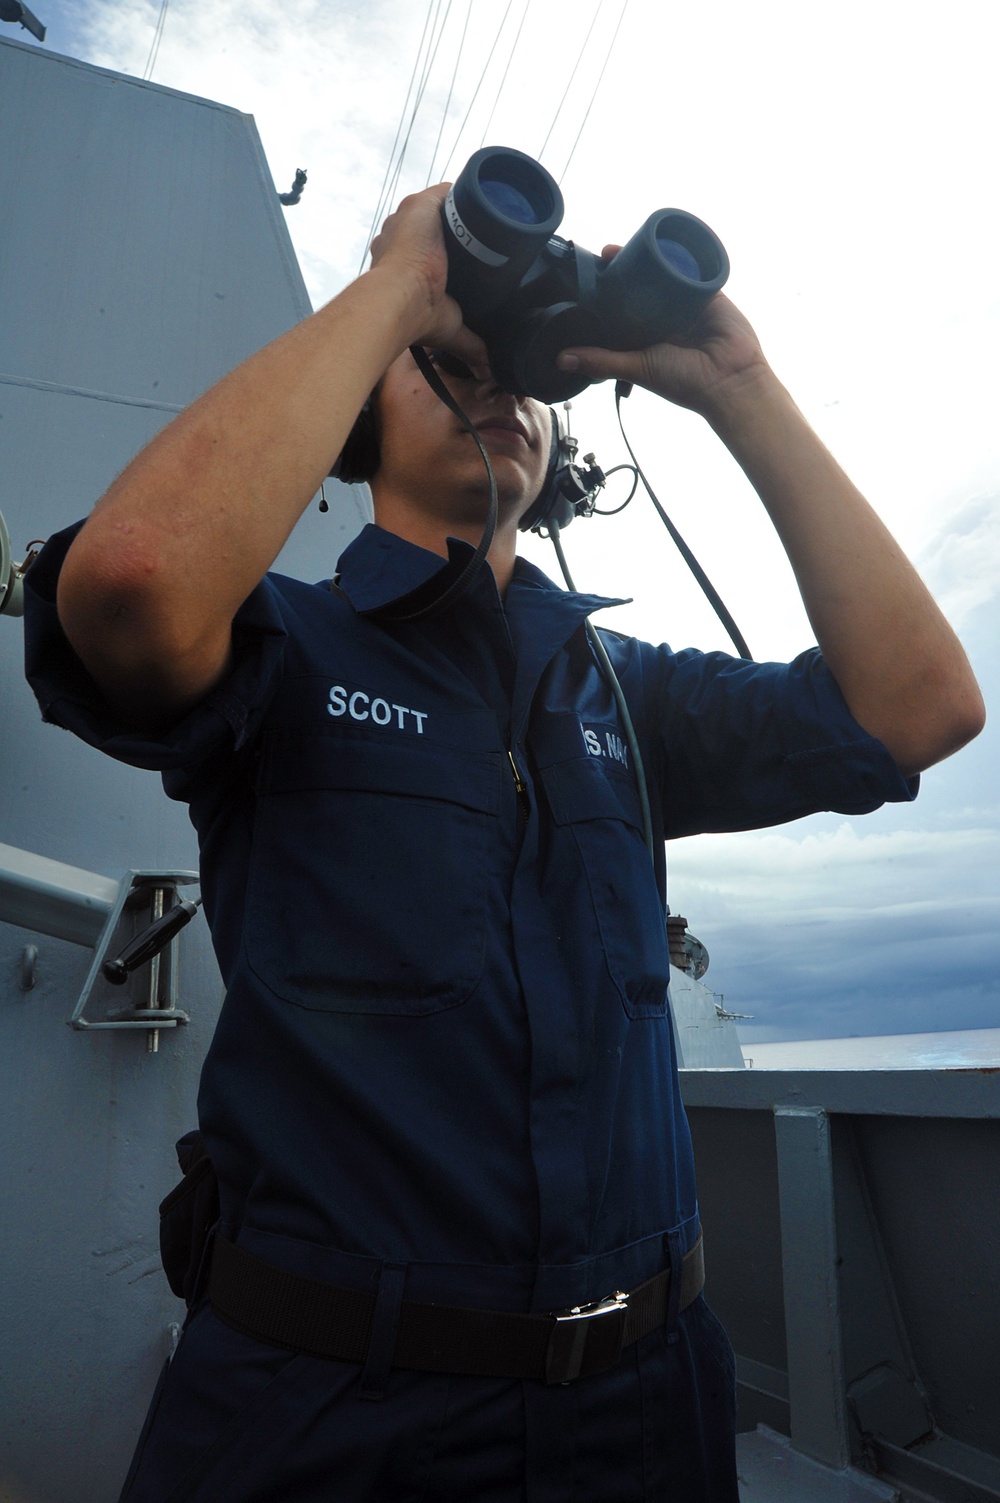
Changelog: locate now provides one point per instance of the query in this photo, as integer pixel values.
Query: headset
(568, 490)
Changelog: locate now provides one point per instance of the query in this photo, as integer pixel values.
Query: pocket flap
(583, 790)
(327, 760)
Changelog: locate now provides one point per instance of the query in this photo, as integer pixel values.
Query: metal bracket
(161, 1010)
(816, 1382)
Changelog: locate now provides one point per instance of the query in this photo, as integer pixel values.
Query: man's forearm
(899, 665)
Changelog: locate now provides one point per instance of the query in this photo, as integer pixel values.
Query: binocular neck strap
(417, 606)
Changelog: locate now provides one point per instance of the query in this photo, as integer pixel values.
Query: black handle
(150, 941)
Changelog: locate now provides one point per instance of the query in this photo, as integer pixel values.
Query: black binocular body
(530, 294)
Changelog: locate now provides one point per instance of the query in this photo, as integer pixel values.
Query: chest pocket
(368, 887)
(599, 808)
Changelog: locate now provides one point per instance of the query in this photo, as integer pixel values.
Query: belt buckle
(598, 1328)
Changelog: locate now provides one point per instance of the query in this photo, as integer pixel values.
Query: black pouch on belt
(187, 1216)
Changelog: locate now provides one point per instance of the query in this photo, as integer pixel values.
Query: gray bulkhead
(143, 253)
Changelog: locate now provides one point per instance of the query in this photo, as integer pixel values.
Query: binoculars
(530, 294)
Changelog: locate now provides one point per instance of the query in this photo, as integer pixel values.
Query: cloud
(838, 931)
(825, 873)
(961, 562)
(866, 977)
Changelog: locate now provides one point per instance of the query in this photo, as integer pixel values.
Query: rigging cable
(569, 84)
(496, 101)
(451, 90)
(461, 128)
(383, 196)
(428, 66)
(147, 72)
(600, 76)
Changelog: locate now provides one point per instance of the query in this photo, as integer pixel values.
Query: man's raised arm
(152, 582)
(899, 665)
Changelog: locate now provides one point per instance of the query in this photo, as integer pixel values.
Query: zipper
(520, 787)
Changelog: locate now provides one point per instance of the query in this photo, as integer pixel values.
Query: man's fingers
(470, 349)
(603, 365)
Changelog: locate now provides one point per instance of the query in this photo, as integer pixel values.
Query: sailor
(458, 1251)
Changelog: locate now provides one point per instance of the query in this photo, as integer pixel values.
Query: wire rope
(147, 72)
(451, 90)
(510, 59)
(600, 77)
(428, 66)
(465, 121)
(383, 194)
(569, 84)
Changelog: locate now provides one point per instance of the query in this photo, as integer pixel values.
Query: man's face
(428, 458)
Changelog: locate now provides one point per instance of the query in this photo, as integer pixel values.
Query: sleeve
(224, 721)
(737, 745)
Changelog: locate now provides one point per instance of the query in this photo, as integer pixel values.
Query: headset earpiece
(547, 497)
(359, 459)
(568, 490)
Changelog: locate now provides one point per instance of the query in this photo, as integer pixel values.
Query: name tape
(383, 712)
(605, 743)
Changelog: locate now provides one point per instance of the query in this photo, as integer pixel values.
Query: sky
(846, 156)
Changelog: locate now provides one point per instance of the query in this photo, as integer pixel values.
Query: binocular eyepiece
(529, 294)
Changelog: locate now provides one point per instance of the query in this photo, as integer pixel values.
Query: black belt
(325, 1320)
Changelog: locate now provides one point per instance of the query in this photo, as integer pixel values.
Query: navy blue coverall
(445, 1065)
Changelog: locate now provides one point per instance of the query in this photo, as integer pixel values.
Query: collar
(379, 568)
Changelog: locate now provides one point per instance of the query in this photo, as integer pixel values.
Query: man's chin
(513, 497)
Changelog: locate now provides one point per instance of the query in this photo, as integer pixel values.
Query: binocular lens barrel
(498, 217)
(530, 294)
(688, 246)
(502, 209)
(679, 257)
(513, 202)
(507, 185)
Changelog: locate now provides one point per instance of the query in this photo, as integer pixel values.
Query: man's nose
(487, 386)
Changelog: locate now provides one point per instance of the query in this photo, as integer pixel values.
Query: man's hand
(899, 666)
(410, 247)
(695, 369)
